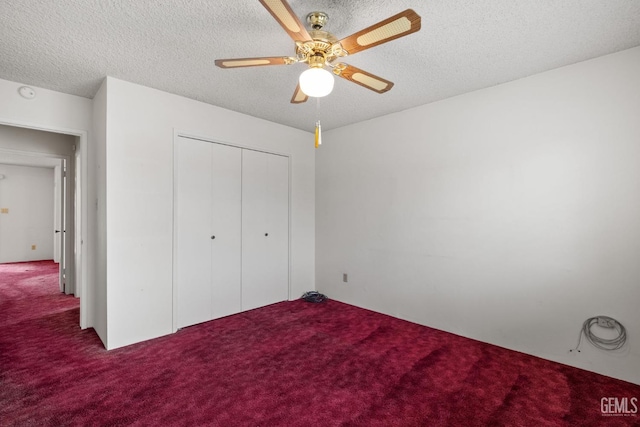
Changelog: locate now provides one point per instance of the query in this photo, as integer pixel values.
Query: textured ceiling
(70, 45)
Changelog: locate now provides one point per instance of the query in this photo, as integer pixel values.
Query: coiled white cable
(603, 343)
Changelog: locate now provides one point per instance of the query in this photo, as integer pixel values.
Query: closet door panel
(265, 225)
(226, 247)
(254, 227)
(192, 187)
(277, 221)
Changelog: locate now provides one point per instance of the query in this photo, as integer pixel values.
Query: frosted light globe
(316, 82)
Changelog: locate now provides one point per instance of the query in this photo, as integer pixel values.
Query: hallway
(29, 291)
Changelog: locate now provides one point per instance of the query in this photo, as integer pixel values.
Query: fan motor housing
(323, 48)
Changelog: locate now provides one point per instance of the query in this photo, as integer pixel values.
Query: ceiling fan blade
(365, 79)
(299, 96)
(283, 13)
(397, 26)
(253, 62)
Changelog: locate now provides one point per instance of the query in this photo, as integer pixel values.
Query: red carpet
(289, 364)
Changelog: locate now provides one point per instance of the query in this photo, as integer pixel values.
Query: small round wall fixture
(27, 92)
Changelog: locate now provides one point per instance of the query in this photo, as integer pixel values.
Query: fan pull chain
(318, 127)
(318, 134)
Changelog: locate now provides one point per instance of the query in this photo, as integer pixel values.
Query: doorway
(65, 152)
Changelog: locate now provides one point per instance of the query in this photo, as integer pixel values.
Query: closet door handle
(213, 237)
(266, 234)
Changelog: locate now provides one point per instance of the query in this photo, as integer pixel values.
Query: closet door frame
(185, 134)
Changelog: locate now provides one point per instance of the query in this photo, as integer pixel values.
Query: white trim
(174, 269)
(177, 133)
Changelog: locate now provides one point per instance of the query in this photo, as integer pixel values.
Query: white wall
(35, 141)
(49, 109)
(509, 215)
(140, 130)
(26, 230)
(98, 232)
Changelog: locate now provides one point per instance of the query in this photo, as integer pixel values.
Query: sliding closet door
(192, 187)
(265, 229)
(207, 225)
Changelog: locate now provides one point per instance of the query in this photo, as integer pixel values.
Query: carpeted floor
(289, 364)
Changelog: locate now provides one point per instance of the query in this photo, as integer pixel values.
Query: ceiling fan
(320, 49)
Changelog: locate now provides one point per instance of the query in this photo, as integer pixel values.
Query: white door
(265, 229)
(61, 209)
(207, 230)
(192, 187)
(226, 227)
(57, 212)
(68, 233)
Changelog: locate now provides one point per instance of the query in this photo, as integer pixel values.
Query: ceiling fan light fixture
(319, 49)
(316, 82)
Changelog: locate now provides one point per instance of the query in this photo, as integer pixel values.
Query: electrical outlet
(345, 277)
(605, 322)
